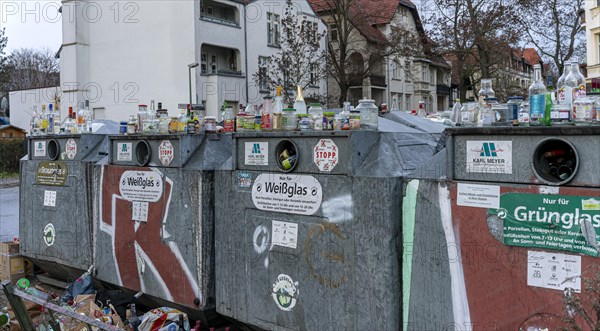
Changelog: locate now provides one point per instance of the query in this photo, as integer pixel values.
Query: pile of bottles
(568, 106)
(48, 121)
(270, 116)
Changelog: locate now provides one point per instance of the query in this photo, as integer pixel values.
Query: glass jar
(163, 124)
(305, 122)
(559, 114)
(583, 109)
(191, 127)
(513, 105)
(174, 125)
(289, 119)
(486, 90)
(328, 120)
(240, 119)
(277, 121)
(132, 124)
(354, 119)
(337, 122)
(210, 124)
(487, 116)
(316, 112)
(368, 114)
(123, 127)
(257, 122)
(249, 122)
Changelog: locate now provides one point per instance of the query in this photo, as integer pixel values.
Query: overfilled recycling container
(55, 210)
(514, 224)
(308, 233)
(155, 219)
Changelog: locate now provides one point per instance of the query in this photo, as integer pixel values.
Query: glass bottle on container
(537, 98)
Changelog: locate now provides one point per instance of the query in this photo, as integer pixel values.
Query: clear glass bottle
(354, 119)
(299, 104)
(485, 91)
(34, 123)
(69, 122)
(537, 98)
(580, 92)
(560, 84)
(466, 115)
(456, 109)
(524, 114)
(50, 119)
(514, 105)
(267, 114)
(132, 125)
(57, 119)
(369, 116)
(151, 120)
(89, 118)
(316, 113)
(278, 110)
(228, 120)
(142, 117)
(571, 85)
(345, 116)
(487, 115)
(44, 120)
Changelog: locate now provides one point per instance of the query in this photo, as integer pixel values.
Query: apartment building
(592, 33)
(398, 80)
(121, 54)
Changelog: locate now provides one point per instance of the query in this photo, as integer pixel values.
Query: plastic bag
(82, 285)
(160, 319)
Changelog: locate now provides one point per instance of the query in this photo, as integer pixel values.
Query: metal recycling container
(308, 227)
(55, 210)
(155, 219)
(495, 245)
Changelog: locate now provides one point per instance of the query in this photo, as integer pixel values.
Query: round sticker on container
(71, 148)
(165, 152)
(49, 234)
(285, 292)
(326, 155)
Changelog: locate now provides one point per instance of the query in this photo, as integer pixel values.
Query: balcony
(219, 13)
(421, 87)
(224, 72)
(377, 80)
(221, 61)
(443, 89)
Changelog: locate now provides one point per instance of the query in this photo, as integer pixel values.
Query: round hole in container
(143, 153)
(286, 154)
(555, 161)
(53, 149)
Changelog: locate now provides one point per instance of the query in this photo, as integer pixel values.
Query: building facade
(121, 54)
(592, 33)
(401, 81)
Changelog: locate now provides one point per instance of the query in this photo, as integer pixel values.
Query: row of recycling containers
(414, 227)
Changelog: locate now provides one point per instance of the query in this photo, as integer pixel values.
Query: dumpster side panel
(340, 271)
(146, 238)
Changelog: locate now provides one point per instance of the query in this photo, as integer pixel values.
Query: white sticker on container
(141, 186)
(284, 234)
(256, 153)
(124, 152)
(39, 149)
(139, 211)
(474, 195)
(325, 155)
(71, 148)
(490, 157)
(165, 152)
(50, 198)
(554, 270)
(286, 193)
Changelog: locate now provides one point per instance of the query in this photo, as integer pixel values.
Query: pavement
(9, 210)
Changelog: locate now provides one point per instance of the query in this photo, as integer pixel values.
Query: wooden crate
(12, 267)
(9, 248)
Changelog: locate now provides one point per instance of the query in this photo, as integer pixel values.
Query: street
(9, 213)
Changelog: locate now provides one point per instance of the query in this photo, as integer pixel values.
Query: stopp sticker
(71, 148)
(285, 292)
(49, 234)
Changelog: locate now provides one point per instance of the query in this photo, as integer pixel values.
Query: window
(431, 79)
(333, 32)
(273, 34)
(313, 28)
(314, 74)
(263, 64)
(213, 64)
(394, 70)
(423, 74)
(203, 64)
(407, 102)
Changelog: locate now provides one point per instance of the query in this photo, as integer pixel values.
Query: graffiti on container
(261, 240)
(142, 247)
(323, 249)
(338, 209)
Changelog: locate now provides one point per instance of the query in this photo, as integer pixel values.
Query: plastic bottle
(299, 104)
(537, 98)
(316, 113)
(267, 114)
(456, 110)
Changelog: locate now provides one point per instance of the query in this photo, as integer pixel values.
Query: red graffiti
(117, 212)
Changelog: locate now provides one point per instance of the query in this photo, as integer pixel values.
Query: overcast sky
(31, 24)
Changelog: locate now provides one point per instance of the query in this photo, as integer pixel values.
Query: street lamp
(190, 67)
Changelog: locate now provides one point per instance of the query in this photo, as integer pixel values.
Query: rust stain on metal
(316, 235)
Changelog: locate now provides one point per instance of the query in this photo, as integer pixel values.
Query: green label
(548, 221)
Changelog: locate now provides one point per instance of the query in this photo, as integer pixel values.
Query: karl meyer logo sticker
(49, 234)
(491, 157)
(256, 153)
(285, 292)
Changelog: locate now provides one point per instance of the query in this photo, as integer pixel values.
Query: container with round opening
(53, 149)
(286, 154)
(555, 161)
(143, 153)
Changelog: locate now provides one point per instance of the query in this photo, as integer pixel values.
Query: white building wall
(21, 104)
(592, 22)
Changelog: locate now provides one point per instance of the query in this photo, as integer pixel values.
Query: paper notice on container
(287, 193)
(284, 234)
(124, 152)
(39, 149)
(554, 270)
(481, 196)
(50, 198)
(139, 211)
(141, 186)
(489, 157)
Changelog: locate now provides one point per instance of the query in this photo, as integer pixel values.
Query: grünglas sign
(548, 221)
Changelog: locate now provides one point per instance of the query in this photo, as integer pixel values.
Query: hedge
(11, 151)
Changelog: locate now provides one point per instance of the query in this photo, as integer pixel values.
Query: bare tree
(477, 35)
(31, 68)
(554, 28)
(301, 60)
